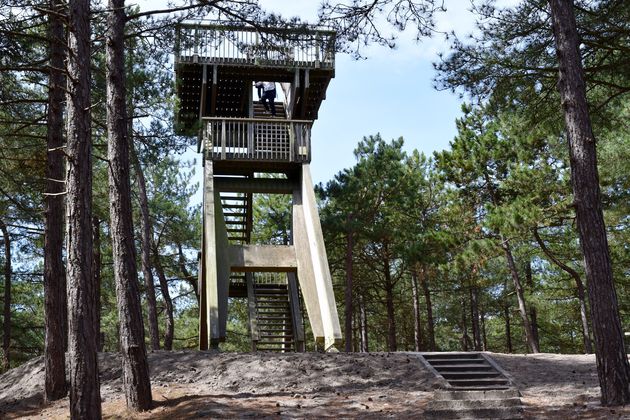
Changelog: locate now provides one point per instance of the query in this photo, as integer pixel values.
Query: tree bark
(586, 335)
(474, 316)
(389, 303)
(364, 325)
(464, 339)
(85, 400)
(533, 314)
(147, 233)
(135, 368)
(506, 316)
(6, 322)
(417, 326)
(612, 362)
(169, 332)
(520, 296)
(55, 304)
(349, 310)
(96, 237)
(427, 300)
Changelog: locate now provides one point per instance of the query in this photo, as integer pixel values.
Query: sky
(390, 92)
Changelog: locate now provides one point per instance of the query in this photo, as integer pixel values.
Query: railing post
(223, 135)
(291, 141)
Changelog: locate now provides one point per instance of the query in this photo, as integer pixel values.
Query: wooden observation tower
(216, 67)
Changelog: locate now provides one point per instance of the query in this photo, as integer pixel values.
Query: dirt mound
(373, 385)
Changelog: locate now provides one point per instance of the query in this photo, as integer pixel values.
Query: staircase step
(475, 413)
(470, 375)
(450, 394)
(455, 362)
(468, 404)
(467, 367)
(478, 382)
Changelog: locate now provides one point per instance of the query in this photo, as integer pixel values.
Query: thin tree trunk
(166, 295)
(427, 300)
(135, 369)
(6, 324)
(55, 304)
(146, 229)
(483, 332)
(417, 326)
(96, 237)
(349, 310)
(364, 325)
(612, 362)
(520, 296)
(533, 315)
(586, 335)
(474, 316)
(506, 316)
(464, 339)
(85, 400)
(389, 303)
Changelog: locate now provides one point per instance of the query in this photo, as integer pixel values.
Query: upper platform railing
(246, 45)
(257, 139)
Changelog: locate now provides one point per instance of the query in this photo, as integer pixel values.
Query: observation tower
(248, 152)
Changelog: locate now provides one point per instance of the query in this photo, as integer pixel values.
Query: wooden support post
(251, 307)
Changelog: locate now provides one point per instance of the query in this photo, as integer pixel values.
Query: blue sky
(389, 93)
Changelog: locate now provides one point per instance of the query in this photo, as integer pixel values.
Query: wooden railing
(257, 139)
(276, 47)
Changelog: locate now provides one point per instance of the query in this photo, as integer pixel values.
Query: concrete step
(478, 382)
(477, 414)
(452, 355)
(472, 404)
(469, 367)
(454, 362)
(448, 394)
(470, 374)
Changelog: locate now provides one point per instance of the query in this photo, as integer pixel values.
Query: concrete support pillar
(313, 272)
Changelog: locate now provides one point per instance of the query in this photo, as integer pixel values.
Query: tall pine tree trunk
(364, 325)
(55, 306)
(147, 233)
(533, 314)
(135, 369)
(96, 237)
(169, 332)
(612, 362)
(427, 300)
(474, 316)
(520, 296)
(506, 317)
(6, 322)
(85, 400)
(586, 335)
(389, 303)
(349, 310)
(417, 326)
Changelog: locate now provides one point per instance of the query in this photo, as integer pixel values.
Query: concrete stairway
(273, 313)
(489, 404)
(467, 371)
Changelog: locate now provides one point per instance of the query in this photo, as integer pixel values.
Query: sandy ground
(376, 385)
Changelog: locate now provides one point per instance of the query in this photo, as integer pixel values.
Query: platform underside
(224, 90)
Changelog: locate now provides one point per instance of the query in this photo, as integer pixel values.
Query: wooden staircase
(273, 318)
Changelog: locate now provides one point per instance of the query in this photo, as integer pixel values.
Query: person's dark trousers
(270, 95)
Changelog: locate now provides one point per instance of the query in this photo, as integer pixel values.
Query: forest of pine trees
(514, 239)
